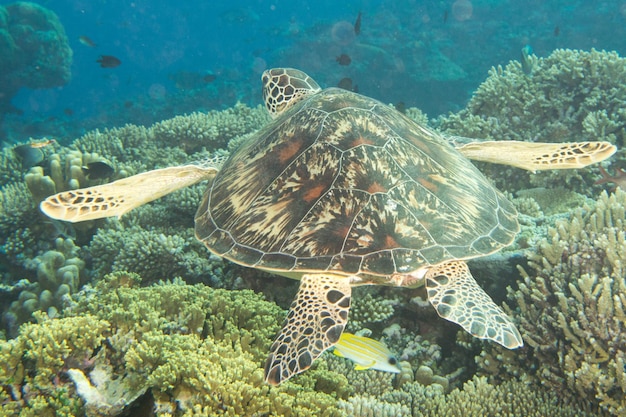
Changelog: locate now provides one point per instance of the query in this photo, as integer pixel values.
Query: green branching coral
(212, 130)
(573, 305)
(477, 398)
(153, 252)
(31, 364)
(570, 96)
(369, 309)
(198, 350)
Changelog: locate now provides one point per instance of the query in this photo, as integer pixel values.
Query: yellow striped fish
(366, 353)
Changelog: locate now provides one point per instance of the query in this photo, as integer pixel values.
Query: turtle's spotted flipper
(314, 323)
(121, 196)
(534, 156)
(457, 297)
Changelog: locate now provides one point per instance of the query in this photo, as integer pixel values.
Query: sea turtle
(341, 190)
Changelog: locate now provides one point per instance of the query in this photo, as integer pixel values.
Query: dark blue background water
(236, 40)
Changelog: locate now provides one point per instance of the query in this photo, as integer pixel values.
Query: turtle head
(283, 87)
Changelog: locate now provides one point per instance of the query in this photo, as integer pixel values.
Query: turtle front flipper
(457, 297)
(314, 323)
(121, 196)
(534, 156)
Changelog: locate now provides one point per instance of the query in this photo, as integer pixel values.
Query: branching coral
(31, 364)
(369, 309)
(477, 398)
(17, 216)
(199, 351)
(573, 305)
(153, 252)
(212, 130)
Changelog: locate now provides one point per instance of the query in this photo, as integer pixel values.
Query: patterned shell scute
(345, 183)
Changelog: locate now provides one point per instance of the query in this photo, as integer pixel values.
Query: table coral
(573, 304)
(571, 96)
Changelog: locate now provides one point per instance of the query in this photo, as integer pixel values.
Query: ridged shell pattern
(344, 183)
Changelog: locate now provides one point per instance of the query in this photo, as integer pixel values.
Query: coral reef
(60, 273)
(369, 308)
(33, 362)
(197, 350)
(156, 240)
(570, 96)
(572, 309)
(142, 237)
(477, 398)
(34, 48)
(190, 350)
(68, 175)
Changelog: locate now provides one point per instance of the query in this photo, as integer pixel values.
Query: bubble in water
(343, 33)
(259, 65)
(462, 10)
(156, 92)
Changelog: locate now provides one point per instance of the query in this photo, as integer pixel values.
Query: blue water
(237, 40)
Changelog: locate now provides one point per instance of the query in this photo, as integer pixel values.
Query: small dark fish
(97, 170)
(346, 84)
(128, 104)
(344, 59)
(400, 106)
(445, 16)
(30, 156)
(68, 112)
(209, 78)
(108, 61)
(85, 40)
(527, 60)
(357, 25)
(557, 31)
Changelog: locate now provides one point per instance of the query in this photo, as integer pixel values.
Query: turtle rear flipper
(457, 297)
(534, 156)
(314, 323)
(121, 196)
